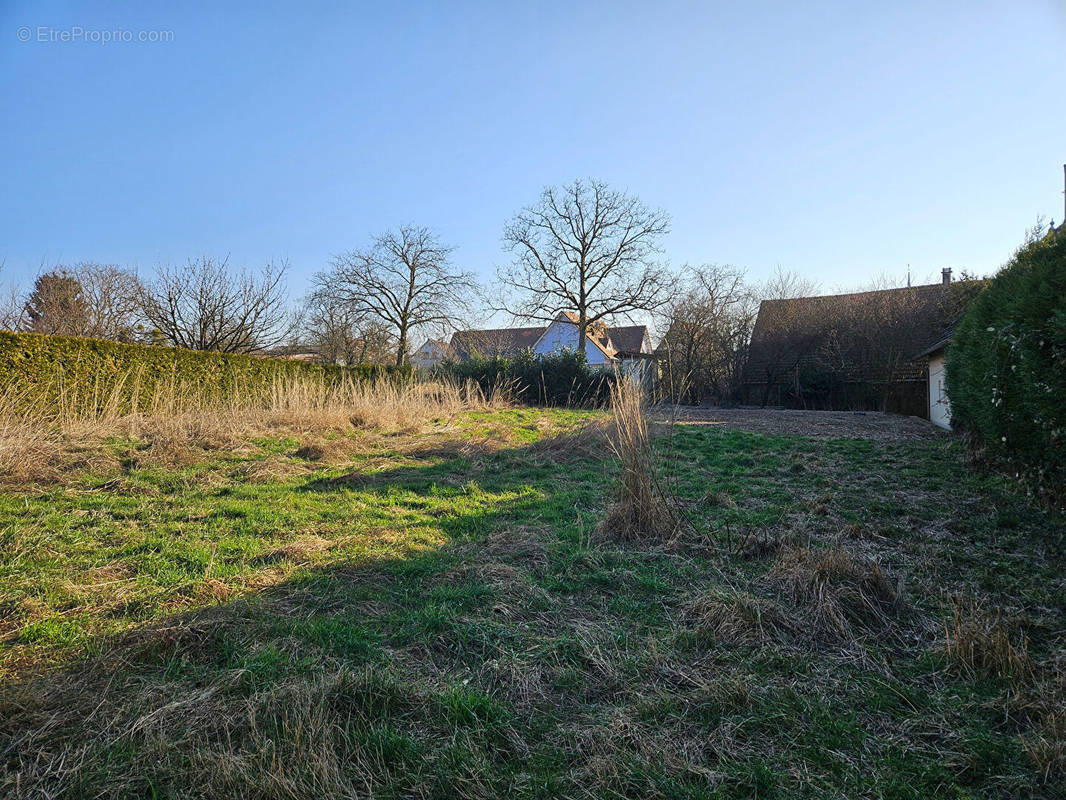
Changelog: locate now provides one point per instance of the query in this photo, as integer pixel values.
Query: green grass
(435, 617)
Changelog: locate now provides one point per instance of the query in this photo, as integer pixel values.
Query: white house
(627, 348)
(430, 354)
(562, 334)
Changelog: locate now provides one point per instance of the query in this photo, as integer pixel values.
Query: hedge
(81, 376)
(556, 379)
(1006, 367)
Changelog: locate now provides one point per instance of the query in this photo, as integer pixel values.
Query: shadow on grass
(380, 674)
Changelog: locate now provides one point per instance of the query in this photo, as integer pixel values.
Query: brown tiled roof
(628, 339)
(506, 342)
(864, 336)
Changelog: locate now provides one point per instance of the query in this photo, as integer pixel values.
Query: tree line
(582, 248)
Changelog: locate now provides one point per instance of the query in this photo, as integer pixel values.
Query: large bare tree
(586, 249)
(341, 335)
(405, 279)
(208, 305)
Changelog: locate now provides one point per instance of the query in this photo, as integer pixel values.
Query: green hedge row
(83, 376)
(1006, 366)
(556, 379)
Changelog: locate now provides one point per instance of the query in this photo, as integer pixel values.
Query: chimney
(946, 275)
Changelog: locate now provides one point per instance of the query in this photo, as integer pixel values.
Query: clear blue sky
(839, 139)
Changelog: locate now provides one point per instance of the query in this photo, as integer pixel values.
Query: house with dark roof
(626, 347)
(493, 342)
(857, 351)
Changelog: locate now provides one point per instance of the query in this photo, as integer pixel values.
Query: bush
(79, 376)
(556, 379)
(1006, 367)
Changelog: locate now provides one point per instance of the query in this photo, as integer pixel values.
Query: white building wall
(939, 407)
(428, 355)
(561, 335)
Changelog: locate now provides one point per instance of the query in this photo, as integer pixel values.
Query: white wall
(939, 408)
(563, 334)
(428, 355)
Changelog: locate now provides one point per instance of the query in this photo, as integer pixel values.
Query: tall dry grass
(39, 439)
(642, 508)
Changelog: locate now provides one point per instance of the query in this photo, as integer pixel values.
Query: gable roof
(628, 339)
(862, 336)
(509, 342)
(505, 342)
(442, 345)
(595, 332)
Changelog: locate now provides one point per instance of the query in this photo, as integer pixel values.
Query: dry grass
(979, 642)
(1046, 747)
(738, 618)
(642, 510)
(836, 591)
(179, 426)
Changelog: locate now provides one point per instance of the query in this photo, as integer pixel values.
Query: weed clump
(978, 642)
(642, 510)
(836, 590)
(1046, 748)
(737, 618)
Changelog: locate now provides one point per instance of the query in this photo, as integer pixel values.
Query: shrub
(555, 379)
(76, 377)
(1006, 368)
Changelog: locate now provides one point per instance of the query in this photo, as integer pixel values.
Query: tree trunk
(401, 348)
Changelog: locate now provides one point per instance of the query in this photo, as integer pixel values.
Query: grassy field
(432, 611)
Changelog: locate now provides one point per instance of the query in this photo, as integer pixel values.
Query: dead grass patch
(588, 441)
(334, 450)
(300, 551)
(737, 618)
(835, 591)
(180, 427)
(268, 470)
(980, 641)
(1046, 745)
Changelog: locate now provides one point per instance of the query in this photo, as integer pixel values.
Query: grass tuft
(835, 590)
(732, 617)
(979, 642)
(641, 510)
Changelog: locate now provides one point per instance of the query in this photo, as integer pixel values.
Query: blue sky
(839, 139)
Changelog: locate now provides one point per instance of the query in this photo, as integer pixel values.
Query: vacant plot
(794, 422)
(433, 612)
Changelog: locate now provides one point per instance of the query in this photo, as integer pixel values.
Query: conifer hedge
(83, 375)
(1006, 366)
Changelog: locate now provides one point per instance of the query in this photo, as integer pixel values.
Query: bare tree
(586, 249)
(12, 309)
(787, 285)
(405, 280)
(56, 305)
(112, 295)
(340, 335)
(207, 305)
(709, 327)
